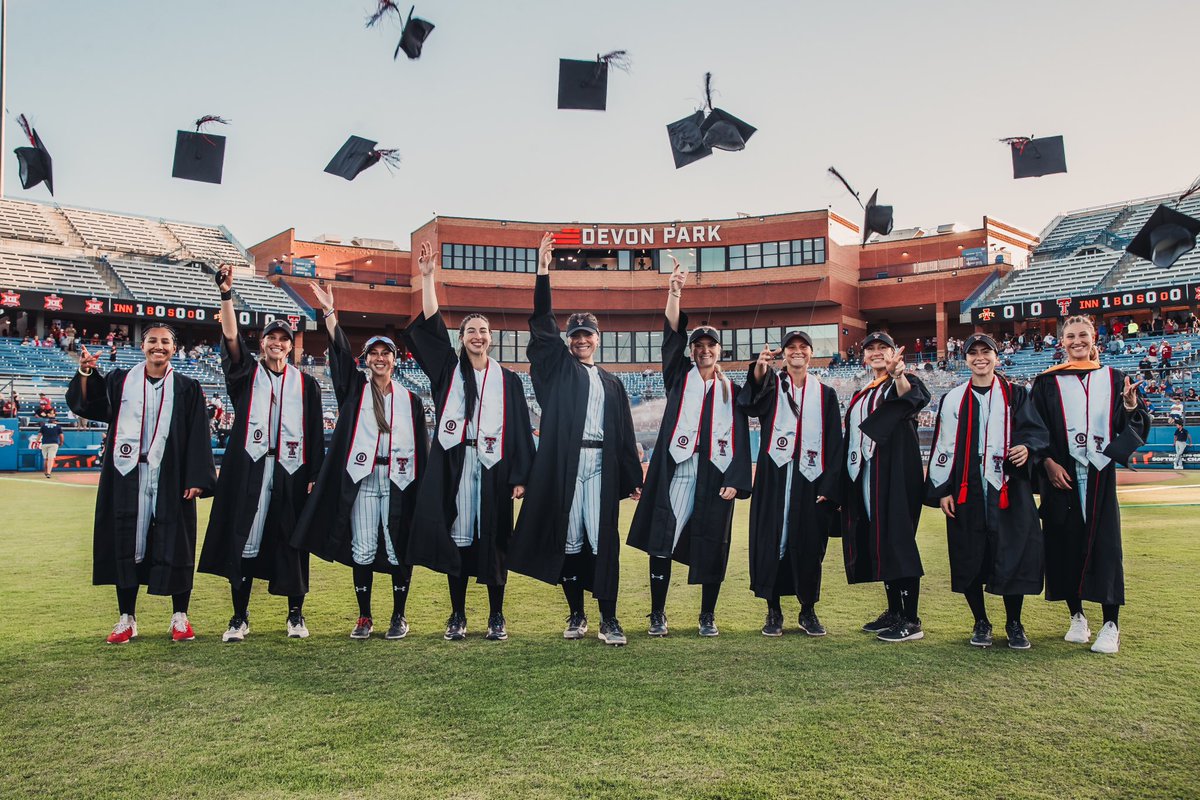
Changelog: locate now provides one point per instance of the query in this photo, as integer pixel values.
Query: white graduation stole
(402, 441)
(862, 447)
(490, 414)
(289, 444)
(127, 440)
(996, 437)
(808, 429)
(1087, 413)
(687, 424)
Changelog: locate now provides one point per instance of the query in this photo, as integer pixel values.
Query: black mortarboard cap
(725, 131)
(1033, 158)
(34, 161)
(198, 156)
(412, 38)
(876, 218)
(582, 84)
(356, 155)
(687, 140)
(1166, 236)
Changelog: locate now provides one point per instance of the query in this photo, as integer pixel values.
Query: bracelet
(227, 294)
(87, 374)
(329, 313)
(674, 293)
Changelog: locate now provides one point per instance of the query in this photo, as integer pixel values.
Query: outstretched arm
(325, 299)
(678, 281)
(428, 265)
(228, 316)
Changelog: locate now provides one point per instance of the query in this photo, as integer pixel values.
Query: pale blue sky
(907, 96)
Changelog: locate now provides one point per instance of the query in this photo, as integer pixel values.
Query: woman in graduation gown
(159, 461)
(360, 512)
(985, 442)
(881, 487)
(790, 518)
(1096, 421)
(701, 462)
(478, 461)
(270, 462)
(585, 464)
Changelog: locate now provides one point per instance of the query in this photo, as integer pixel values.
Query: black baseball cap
(581, 322)
(980, 338)
(879, 336)
(384, 340)
(278, 325)
(796, 334)
(704, 331)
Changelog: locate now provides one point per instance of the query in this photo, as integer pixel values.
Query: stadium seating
(51, 274)
(26, 221)
(167, 283)
(1057, 277)
(118, 233)
(207, 243)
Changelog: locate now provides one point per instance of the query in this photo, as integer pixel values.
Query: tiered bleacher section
(117, 233)
(207, 243)
(260, 294)
(50, 274)
(1141, 274)
(167, 283)
(31, 370)
(1055, 277)
(26, 221)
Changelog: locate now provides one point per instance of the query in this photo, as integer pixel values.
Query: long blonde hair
(1084, 319)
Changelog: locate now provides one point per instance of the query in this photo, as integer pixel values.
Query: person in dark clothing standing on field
(585, 464)
(881, 488)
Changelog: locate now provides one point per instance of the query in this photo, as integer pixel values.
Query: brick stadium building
(751, 277)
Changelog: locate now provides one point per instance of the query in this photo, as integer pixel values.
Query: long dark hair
(464, 364)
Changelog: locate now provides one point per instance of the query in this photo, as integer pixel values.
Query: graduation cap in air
(416, 30)
(584, 84)
(694, 137)
(34, 161)
(1166, 236)
(1033, 158)
(199, 155)
(876, 218)
(358, 154)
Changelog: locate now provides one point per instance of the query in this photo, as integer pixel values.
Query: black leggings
(903, 596)
(1012, 604)
(241, 593)
(1111, 610)
(127, 601)
(572, 583)
(365, 576)
(660, 582)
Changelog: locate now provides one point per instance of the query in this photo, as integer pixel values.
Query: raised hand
(765, 359)
(1129, 394)
(545, 253)
(324, 296)
(425, 261)
(678, 276)
(894, 364)
(225, 277)
(87, 361)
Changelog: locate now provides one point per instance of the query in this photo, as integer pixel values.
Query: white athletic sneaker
(1079, 632)
(1108, 640)
(238, 628)
(296, 629)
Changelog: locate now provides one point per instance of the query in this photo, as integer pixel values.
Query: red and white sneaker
(124, 630)
(181, 629)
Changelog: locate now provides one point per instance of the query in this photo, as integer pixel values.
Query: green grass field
(740, 716)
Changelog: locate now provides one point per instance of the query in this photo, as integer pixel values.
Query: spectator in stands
(478, 461)
(1194, 323)
(8, 409)
(112, 355)
(1166, 352)
(1183, 438)
(159, 461)
(1102, 332)
(51, 435)
(96, 339)
(1132, 329)
(1190, 395)
(71, 338)
(1185, 347)
(273, 459)
(361, 511)
(567, 532)
(16, 399)
(1157, 326)
(45, 406)
(1171, 327)
(1176, 412)
(1037, 344)
(1137, 349)
(225, 428)
(919, 348)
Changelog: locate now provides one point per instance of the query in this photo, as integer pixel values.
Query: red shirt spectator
(1153, 350)
(1117, 328)
(1166, 351)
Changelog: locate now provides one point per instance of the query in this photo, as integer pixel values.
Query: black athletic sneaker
(456, 627)
(810, 624)
(982, 636)
(774, 624)
(903, 631)
(497, 631)
(576, 626)
(708, 624)
(611, 632)
(398, 629)
(1017, 639)
(362, 628)
(882, 623)
(658, 624)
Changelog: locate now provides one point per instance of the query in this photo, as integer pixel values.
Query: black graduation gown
(430, 544)
(324, 527)
(1084, 559)
(704, 540)
(884, 547)
(560, 383)
(1001, 547)
(810, 524)
(240, 483)
(187, 463)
